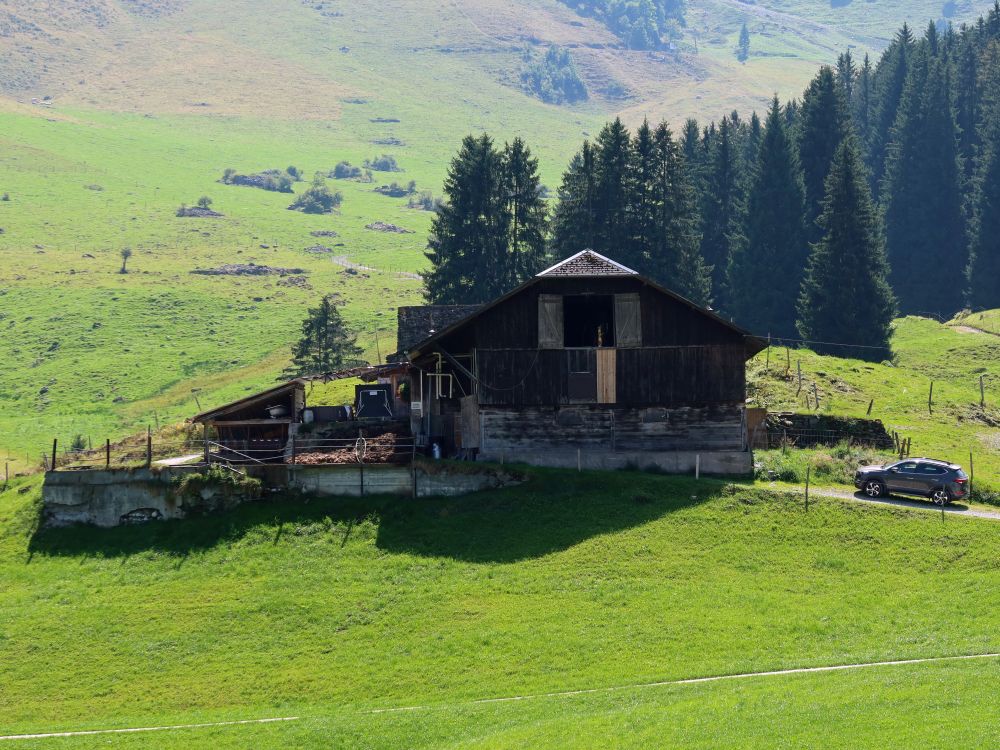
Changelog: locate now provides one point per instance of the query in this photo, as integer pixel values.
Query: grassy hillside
(153, 99)
(924, 350)
(329, 609)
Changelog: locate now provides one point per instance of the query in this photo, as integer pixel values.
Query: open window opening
(589, 320)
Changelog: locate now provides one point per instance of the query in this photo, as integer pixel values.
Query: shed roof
(214, 414)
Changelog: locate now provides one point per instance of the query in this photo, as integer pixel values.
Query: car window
(910, 466)
(931, 469)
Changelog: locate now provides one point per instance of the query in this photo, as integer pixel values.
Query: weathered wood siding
(643, 377)
(510, 431)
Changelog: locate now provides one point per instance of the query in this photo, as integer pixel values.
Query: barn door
(628, 321)
(550, 321)
(607, 363)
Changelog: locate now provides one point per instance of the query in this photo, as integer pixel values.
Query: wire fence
(387, 448)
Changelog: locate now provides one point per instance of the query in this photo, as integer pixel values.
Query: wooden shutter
(628, 321)
(607, 363)
(550, 321)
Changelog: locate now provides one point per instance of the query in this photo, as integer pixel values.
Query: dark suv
(942, 482)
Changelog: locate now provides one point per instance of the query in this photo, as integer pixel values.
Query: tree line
(874, 194)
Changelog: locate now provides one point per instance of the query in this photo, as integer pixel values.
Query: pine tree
(469, 233)
(327, 344)
(925, 224)
(526, 211)
(847, 75)
(723, 210)
(766, 277)
(845, 297)
(823, 125)
(642, 200)
(574, 225)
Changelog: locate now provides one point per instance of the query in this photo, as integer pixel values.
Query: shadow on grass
(551, 511)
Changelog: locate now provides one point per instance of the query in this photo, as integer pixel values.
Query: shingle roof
(420, 322)
(588, 263)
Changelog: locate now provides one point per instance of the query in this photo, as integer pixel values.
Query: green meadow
(329, 610)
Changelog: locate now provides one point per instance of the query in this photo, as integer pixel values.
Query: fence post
(808, 469)
(107, 453)
(798, 366)
(149, 447)
(930, 399)
(293, 450)
(870, 405)
(697, 466)
(204, 439)
(972, 474)
(816, 395)
(767, 362)
(982, 392)
(55, 443)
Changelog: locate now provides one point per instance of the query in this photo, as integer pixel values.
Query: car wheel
(940, 496)
(874, 488)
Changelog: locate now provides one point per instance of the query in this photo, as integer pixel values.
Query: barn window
(589, 320)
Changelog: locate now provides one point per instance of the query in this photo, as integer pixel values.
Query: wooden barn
(586, 362)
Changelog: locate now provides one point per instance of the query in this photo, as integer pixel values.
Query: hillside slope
(152, 99)
(328, 611)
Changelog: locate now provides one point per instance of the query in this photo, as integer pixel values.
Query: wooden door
(607, 363)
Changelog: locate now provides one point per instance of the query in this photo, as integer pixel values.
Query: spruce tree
(526, 212)
(925, 223)
(642, 202)
(984, 265)
(574, 225)
(845, 297)
(676, 258)
(468, 237)
(327, 343)
(823, 125)
(766, 277)
(890, 79)
(723, 210)
(612, 161)
(743, 48)
(862, 103)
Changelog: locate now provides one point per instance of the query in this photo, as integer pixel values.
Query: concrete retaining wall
(102, 497)
(354, 481)
(721, 463)
(105, 498)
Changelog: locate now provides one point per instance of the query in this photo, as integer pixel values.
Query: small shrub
(383, 163)
(294, 173)
(318, 199)
(5, 197)
(204, 202)
(344, 171)
(79, 443)
(224, 489)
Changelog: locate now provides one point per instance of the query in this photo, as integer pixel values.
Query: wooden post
(697, 466)
(798, 366)
(579, 460)
(788, 361)
(784, 441)
(972, 474)
(808, 471)
(6, 473)
(149, 447)
(815, 395)
(107, 453)
(930, 399)
(982, 392)
(767, 362)
(870, 405)
(204, 439)
(55, 443)
(293, 450)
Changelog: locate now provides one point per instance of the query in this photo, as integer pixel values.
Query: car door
(903, 477)
(931, 477)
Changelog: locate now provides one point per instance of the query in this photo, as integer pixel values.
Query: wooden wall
(715, 428)
(644, 377)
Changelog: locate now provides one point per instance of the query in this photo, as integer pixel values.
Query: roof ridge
(591, 257)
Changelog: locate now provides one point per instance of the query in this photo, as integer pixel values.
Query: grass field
(329, 609)
(923, 351)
